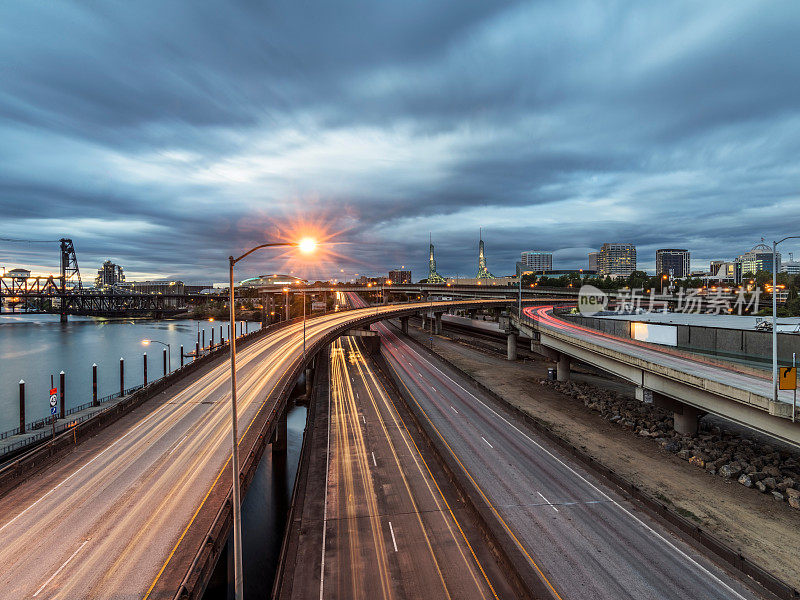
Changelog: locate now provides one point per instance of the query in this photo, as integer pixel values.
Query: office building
(109, 274)
(400, 276)
(714, 266)
(673, 262)
(616, 260)
(759, 258)
(593, 260)
(536, 260)
(792, 267)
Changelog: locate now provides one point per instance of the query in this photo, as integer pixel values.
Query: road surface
(579, 536)
(388, 532)
(104, 521)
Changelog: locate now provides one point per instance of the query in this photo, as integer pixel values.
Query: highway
(675, 359)
(105, 521)
(388, 531)
(578, 535)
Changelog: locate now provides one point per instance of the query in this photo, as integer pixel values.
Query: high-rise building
(433, 274)
(109, 274)
(616, 260)
(593, 260)
(536, 260)
(400, 276)
(759, 258)
(483, 270)
(714, 266)
(673, 262)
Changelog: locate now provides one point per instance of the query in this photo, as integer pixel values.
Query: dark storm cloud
(167, 135)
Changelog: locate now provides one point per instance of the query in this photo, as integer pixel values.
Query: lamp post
(774, 314)
(306, 245)
(169, 350)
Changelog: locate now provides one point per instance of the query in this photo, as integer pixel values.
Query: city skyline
(551, 127)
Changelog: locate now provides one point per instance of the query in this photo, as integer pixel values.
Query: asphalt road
(103, 521)
(388, 530)
(580, 536)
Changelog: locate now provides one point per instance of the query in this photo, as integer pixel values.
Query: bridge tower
(483, 272)
(69, 274)
(433, 276)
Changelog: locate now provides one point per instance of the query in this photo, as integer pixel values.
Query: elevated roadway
(689, 384)
(123, 516)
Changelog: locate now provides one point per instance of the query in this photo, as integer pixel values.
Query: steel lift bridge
(64, 294)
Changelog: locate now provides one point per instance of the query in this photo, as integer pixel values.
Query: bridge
(689, 384)
(157, 482)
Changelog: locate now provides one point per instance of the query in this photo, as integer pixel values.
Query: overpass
(688, 384)
(142, 509)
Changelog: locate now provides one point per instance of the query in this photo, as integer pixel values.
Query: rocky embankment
(774, 473)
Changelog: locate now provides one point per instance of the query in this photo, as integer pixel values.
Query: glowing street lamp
(169, 350)
(306, 246)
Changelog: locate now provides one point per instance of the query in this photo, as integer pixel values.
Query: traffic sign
(53, 397)
(53, 410)
(788, 378)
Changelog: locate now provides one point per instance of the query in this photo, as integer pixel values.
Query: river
(35, 346)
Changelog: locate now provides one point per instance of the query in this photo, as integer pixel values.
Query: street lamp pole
(169, 351)
(237, 506)
(774, 314)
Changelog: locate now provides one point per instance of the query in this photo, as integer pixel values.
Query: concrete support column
(437, 324)
(309, 380)
(686, 418)
(404, 324)
(279, 436)
(424, 317)
(511, 353)
(562, 373)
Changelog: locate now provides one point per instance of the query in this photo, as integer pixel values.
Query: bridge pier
(686, 418)
(404, 325)
(437, 321)
(424, 317)
(562, 368)
(511, 346)
(278, 440)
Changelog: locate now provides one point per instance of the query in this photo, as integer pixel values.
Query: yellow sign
(788, 378)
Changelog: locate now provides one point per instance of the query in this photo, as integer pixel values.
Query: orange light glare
(307, 245)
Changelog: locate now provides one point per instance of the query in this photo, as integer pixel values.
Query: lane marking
(487, 442)
(61, 568)
(394, 541)
(178, 444)
(433, 388)
(454, 410)
(571, 470)
(480, 490)
(547, 501)
(325, 503)
(373, 459)
(363, 419)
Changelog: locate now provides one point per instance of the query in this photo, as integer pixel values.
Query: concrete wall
(742, 343)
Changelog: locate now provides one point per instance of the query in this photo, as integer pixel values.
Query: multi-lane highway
(578, 535)
(105, 521)
(388, 531)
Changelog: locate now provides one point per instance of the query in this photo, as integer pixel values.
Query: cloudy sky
(167, 135)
